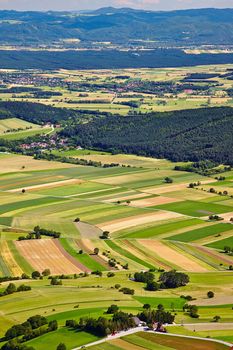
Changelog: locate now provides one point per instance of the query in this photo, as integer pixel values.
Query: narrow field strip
(120, 224)
(160, 229)
(135, 248)
(215, 254)
(195, 235)
(87, 246)
(221, 243)
(25, 266)
(210, 262)
(4, 269)
(48, 254)
(173, 256)
(71, 247)
(150, 202)
(48, 185)
(172, 187)
(9, 260)
(135, 340)
(127, 254)
(16, 207)
(124, 345)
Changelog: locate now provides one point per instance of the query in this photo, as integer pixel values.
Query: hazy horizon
(74, 5)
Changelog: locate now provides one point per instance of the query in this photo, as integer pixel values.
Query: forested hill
(122, 26)
(179, 136)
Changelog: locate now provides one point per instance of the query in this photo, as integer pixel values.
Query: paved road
(142, 329)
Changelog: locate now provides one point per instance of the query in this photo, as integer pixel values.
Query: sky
(60, 5)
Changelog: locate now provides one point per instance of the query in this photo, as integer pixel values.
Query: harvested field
(48, 254)
(172, 255)
(49, 185)
(88, 231)
(149, 202)
(181, 343)
(217, 300)
(124, 345)
(224, 258)
(210, 327)
(12, 163)
(9, 260)
(120, 224)
(171, 188)
(130, 196)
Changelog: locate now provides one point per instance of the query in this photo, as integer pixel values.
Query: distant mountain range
(119, 26)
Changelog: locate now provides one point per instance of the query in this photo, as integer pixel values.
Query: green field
(221, 243)
(193, 208)
(155, 231)
(194, 235)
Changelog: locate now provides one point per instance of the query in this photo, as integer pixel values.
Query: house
(138, 322)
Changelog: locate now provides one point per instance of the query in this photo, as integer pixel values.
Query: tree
(210, 294)
(61, 346)
(11, 288)
(152, 286)
(173, 279)
(77, 220)
(52, 326)
(46, 272)
(216, 318)
(35, 274)
(146, 306)
(96, 251)
(23, 190)
(105, 235)
(112, 309)
(168, 180)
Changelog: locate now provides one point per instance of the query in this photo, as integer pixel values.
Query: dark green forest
(107, 59)
(189, 135)
(119, 26)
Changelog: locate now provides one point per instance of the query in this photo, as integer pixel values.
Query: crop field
(150, 341)
(100, 96)
(151, 224)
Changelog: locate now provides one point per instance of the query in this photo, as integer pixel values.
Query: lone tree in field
(105, 235)
(210, 294)
(216, 318)
(77, 220)
(96, 251)
(61, 346)
(168, 180)
(23, 190)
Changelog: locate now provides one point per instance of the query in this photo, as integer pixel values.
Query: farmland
(77, 223)
(145, 91)
(151, 226)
